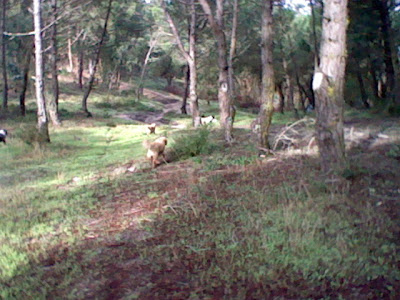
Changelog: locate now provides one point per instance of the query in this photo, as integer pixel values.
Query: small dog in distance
(155, 150)
(207, 120)
(151, 128)
(3, 135)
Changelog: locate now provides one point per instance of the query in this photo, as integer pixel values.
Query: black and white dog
(3, 134)
(207, 120)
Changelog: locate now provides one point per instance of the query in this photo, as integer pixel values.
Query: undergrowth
(238, 241)
(193, 143)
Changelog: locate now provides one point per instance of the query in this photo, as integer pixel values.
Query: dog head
(152, 128)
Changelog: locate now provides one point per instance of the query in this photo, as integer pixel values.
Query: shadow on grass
(271, 229)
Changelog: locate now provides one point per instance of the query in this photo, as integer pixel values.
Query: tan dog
(151, 128)
(155, 150)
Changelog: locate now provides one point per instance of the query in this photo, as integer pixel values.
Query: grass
(216, 222)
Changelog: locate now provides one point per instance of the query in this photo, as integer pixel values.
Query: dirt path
(171, 104)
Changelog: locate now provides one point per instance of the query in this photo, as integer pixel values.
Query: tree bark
(227, 111)
(190, 57)
(186, 92)
(374, 80)
(387, 48)
(232, 49)
(268, 75)
(41, 102)
(97, 58)
(363, 92)
(281, 97)
(4, 55)
(70, 61)
(80, 69)
(25, 79)
(290, 90)
(314, 32)
(328, 87)
(53, 103)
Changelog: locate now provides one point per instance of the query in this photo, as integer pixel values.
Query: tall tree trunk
(387, 47)
(328, 87)
(186, 92)
(374, 80)
(290, 89)
(70, 61)
(4, 55)
(232, 49)
(97, 58)
(268, 75)
(227, 111)
(152, 44)
(41, 102)
(53, 102)
(193, 99)
(190, 57)
(80, 68)
(314, 33)
(281, 97)
(25, 79)
(363, 92)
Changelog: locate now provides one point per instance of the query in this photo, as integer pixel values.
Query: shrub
(193, 144)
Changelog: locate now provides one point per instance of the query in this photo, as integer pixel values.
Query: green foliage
(166, 67)
(193, 143)
(394, 151)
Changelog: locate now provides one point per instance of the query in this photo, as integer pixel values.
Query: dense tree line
(266, 54)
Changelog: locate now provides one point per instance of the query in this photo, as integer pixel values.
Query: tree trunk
(281, 97)
(25, 79)
(53, 103)
(374, 80)
(314, 33)
(70, 61)
(290, 91)
(226, 108)
(97, 58)
(328, 87)
(190, 57)
(80, 69)
(4, 55)
(268, 76)
(152, 44)
(387, 47)
(363, 92)
(186, 92)
(41, 102)
(193, 99)
(232, 49)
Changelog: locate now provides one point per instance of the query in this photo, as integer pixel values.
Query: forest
(200, 149)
